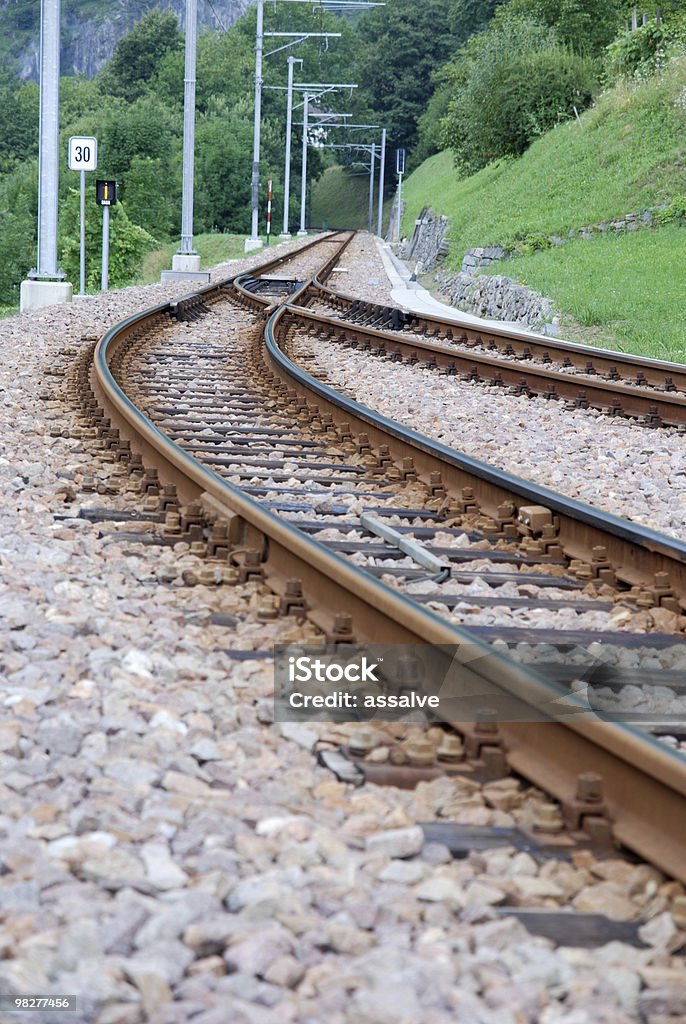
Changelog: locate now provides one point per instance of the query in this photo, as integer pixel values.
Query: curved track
(652, 391)
(195, 435)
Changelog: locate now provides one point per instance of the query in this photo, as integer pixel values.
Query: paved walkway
(411, 295)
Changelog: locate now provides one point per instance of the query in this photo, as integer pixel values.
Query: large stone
(440, 890)
(397, 842)
(255, 954)
(160, 868)
(605, 898)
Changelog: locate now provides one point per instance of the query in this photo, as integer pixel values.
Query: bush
(641, 53)
(673, 211)
(128, 244)
(512, 84)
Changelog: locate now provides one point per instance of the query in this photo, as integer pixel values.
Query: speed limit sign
(83, 153)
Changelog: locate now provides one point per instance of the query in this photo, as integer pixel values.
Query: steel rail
(644, 782)
(525, 343)
(655, 407)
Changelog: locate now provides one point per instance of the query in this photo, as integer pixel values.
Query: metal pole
(82, 248)
(105, 248)
(48, 144)
(303, 184)
(371, 186)
(289, 124)
(258, 115)
(382, 168)
(400, 203)
(186, 247)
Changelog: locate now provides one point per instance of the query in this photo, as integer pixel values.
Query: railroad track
(651, 391)
(377, 534)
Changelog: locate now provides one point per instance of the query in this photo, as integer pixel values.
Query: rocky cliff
(92, 28)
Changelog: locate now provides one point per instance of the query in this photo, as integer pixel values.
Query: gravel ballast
(168, 855)
(635, 472)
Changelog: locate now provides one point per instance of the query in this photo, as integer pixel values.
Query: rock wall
(428, 244)
(496, 298)
(88, 40)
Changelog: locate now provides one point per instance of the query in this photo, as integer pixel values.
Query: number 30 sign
(83, 153)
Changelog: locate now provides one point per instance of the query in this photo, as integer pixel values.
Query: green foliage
(511, 84)
(675, 210)
(18, 212)
(431, 136)
(641, 53)
(152, 194)
(626, 155)
(138, 53)
(18, 124)
(402, 44)
(145, 128)
(627, 289)
(128, 243)
(585, 25)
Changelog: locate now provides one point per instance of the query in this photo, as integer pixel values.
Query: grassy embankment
(341, 200)
(627, 155)
(213, 248)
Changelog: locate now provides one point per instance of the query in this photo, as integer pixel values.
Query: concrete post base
(203, 276)
(253, 243)
(35, 294)
(186, 262)
(285, 235)
(301, 234)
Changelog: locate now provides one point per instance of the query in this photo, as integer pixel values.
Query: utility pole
(371, 186)
(287, 166)
(382, 170)
(303, 183)
(186, 262)
(46, 284)
(254, 241)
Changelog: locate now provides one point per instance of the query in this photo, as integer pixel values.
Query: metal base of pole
(34, 294)
(253, 243)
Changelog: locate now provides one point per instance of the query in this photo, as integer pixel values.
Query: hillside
(91, 29)
(627, 155)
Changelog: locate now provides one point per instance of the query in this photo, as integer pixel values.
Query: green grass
(341, 200)
(628, 289)
(213, 248)
(627, 154)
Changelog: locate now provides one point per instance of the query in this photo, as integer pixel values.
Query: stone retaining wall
(496, 298)
(428, 243)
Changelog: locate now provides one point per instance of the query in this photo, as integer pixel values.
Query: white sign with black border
(83, 153)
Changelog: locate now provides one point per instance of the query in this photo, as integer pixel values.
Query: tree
(402, 44)
(138, 54)
(585, 25)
